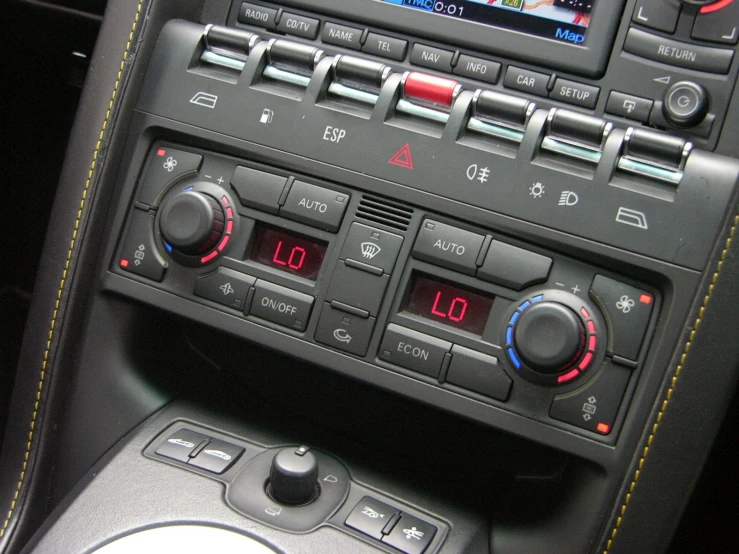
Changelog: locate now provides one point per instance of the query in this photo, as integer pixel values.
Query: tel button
(315, 206)
(448, 246)
(281, 305)
(414, 350)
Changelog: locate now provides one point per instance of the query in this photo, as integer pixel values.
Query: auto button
(315, 206)
(448, 246)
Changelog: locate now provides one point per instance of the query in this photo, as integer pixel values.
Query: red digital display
(448, 304)
(292, 253)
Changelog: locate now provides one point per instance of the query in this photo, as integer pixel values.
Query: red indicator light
(568, 376)
(403, 157)
(124, 263)
(584, 313)
(645, 299)
(716, 7)
(591, 327)
(224, 201)
(294, 260)
(230, 227)
(224, 242)
(603, 428)
(296, 254)
(429, 88)
(586, 361)
(161, 152)
(593, 342)
(455, 312)
(209, 257)
(229, 213)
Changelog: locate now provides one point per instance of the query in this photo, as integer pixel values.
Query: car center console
(502, 210)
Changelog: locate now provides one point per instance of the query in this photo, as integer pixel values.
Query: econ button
(413, 350)
(281, 305)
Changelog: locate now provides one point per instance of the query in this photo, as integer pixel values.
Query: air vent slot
(385, 212)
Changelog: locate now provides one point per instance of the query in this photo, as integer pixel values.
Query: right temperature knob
(552, 337)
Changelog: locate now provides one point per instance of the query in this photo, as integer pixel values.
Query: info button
(414, 350)
(281, 305)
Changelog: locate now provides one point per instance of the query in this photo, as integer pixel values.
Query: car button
(657, 15)
(166, 165)
(433, 58)
(225, 286)
(387, 47)
(479, 373)
(298, 25)
(629, 106)
(138, 255)
(575, 93)
(345, 331)
(358, 288)
(628, 310)
(413, 350)
(251, 14)
(410, 535)
(315, 206)
(527, 81)
(370, 517)
(341, 35)
(442, 244)
(594, 407)
(372, 246)
(477, 68)
(514, 267)
(180, 444)
(258, 189)
(217, 456)
(281, 305)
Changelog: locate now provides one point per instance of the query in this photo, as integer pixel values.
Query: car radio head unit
(570, 35)
(561, 20)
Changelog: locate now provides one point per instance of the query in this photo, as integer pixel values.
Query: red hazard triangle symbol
(403, 157)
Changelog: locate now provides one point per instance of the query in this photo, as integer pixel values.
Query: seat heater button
(514, 267)
(479, 373)
(442, 244)
(180, 444)
(315, 206)
(281, 305)
(257, 189)
(413, 350)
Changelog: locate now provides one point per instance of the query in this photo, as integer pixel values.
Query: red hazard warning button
(403, 157)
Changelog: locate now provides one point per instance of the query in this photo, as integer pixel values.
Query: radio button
(357, 288)
(595, 407)
(657, 15)
(527, 81)
(344, 331)
(372, 246)
(477, 68)
(479, 373)
(680, 54)
(413, 350)
(315, 206)
(226, 287)
(448, 246)
(165, 165)
(298, 25)
(251, 14)
(341, 35)
(433, 58)
(258, 189)
(574, 93)
(387, 47)
(281, 305)
(514, 267)
(628, 310)
(629, 106)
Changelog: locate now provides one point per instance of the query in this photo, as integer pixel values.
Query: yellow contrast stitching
(668, 395)
(63, 282)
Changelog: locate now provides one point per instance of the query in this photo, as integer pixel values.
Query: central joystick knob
(549, 337)
(293, 477)
(192, 222)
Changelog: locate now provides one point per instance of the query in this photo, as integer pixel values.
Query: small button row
(462, 251)
(389, 525)
(540, 84)
(196, 449)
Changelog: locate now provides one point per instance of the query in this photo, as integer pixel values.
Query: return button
(413, 350)
(281, 305)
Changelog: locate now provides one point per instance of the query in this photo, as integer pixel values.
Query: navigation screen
(561, 20)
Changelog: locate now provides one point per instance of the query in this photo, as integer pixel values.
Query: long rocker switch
(500, 115)
(227, 47)
(428, 96)
(292, 63)
(358, 79)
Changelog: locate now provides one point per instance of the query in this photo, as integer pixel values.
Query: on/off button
(281, 305)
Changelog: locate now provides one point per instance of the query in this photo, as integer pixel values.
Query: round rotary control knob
(293, 477)
(685, 104)
(192, 222)
(549, 337)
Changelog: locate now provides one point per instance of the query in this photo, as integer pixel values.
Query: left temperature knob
(192, 222)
